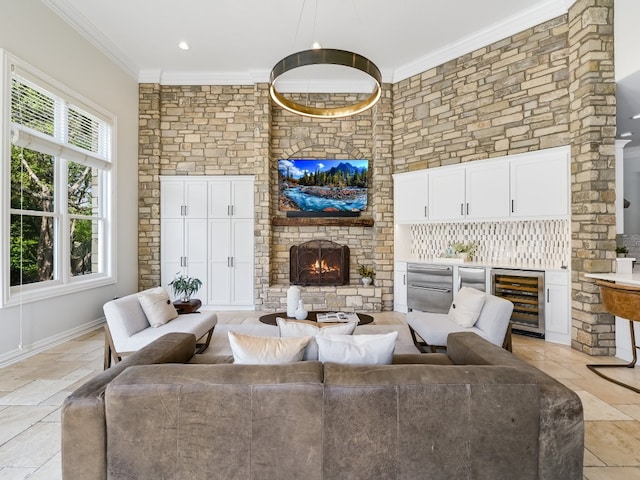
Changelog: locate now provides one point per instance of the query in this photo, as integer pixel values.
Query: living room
(255, 134)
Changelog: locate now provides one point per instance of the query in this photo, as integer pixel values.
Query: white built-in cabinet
(207, 232)
(557, 318)
(410, 194)
(523, 186)
(231, 241)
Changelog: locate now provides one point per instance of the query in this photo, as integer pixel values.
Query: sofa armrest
(83, 421)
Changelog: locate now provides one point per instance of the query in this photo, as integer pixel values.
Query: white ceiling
(239, 41)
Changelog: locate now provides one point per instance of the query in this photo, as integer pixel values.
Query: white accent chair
(493, 324)
(128, 330)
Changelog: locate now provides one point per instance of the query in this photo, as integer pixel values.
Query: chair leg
(507, 344)
(109, 349)
(201, 347)
(634, 349)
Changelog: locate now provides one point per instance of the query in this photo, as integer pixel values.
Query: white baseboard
(47, 343)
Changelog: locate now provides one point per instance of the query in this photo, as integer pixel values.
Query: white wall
(33, 33)
(626, 17)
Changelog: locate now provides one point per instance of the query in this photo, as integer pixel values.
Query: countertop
(510, 266)
(624, 278)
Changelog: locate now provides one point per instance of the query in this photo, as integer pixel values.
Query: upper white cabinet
(527, 185)
(410, 197)
(487, 190)
(540, 184)
(231, 198)
(183, 199)
(446, 193)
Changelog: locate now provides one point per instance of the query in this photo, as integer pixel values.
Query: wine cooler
(525, 289)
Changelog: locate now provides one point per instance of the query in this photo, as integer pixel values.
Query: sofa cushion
(290, 329)
(251, 350)
(466, 307)
(157, 306)
(357, 349)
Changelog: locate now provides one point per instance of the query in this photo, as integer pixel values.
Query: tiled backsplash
(529, 244)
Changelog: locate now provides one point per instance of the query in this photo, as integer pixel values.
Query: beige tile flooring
(31, 392)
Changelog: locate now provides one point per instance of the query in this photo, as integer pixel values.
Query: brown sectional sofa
(477, 412)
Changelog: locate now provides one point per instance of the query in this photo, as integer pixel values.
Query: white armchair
(493, 324)
(128, 330)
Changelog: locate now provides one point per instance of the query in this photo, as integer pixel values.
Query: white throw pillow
(296, 329)
(251, 350)
(466, 307)
(357, 349)
(157, 306)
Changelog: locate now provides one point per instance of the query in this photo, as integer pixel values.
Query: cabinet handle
(462, 209)
(233, 210)
(228, 261)
(512, 206)
(404, 279)
(228, 210)
(547, 295)
(182, 211)
(232, 262)
(467, 208)
(425, 211)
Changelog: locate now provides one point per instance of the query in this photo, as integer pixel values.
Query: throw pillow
(251, 350)
(157, 306)
(357, 349)
(297, 329)
(466, 307)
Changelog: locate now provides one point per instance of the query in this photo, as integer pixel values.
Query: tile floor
(31, 392)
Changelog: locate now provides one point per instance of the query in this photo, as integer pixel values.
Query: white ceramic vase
(301, 313)
(366, 280)
(293, 298)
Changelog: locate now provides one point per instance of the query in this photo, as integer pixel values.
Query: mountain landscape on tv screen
(322, 185)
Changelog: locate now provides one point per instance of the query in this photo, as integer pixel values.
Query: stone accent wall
(509, 97)
(593, 127)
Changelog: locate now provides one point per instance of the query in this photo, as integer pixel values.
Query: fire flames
(319, 268)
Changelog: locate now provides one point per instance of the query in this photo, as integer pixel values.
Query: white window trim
(43, 290)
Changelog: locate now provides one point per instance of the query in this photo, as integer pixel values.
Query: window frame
(63, 282)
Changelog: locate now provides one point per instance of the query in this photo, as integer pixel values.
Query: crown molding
(80, 24)
(499, 31)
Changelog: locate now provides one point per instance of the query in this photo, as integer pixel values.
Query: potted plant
(465, 251)
(184, 286)
(621, 251)
(367, 274)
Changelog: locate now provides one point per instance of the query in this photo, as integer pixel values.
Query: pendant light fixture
(325, 56)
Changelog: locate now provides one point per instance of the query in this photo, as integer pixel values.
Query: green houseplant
(367, 274)
(184, 286)
(465, 250)
(621, 251)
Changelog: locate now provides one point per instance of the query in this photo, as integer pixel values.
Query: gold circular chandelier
(325, 56)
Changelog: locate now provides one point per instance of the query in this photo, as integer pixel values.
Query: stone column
(593, 128)
(149, 150)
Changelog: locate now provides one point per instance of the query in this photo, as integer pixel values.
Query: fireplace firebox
(319, 262)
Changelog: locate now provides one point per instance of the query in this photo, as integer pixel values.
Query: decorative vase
(366, 280)
(300, 313)
(293, 298)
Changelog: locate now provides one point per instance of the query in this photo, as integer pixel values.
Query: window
(57, 234)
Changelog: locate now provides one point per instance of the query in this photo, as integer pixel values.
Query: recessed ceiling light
(183, 45)
(636, 116)
(626, 134)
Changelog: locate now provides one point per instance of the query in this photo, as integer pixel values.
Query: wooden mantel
(324, 221)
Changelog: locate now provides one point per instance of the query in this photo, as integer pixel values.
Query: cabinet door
(219, 261)
(539, 185)
(487, 190)
(219, 199)
(410, 197)
(195, 198)
(171, 199)
(171, 250)
(400, 287)
(557, 309)
(242, 199)
(195, 251)
(447, 194)
(242, 264)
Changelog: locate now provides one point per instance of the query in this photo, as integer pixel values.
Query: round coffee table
(270, 318)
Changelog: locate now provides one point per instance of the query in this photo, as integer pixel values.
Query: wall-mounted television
(320, 187)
